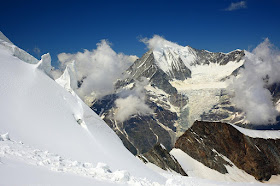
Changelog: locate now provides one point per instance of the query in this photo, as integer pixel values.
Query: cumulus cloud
(261, 69)
(236, 6)
(132, 102)
(158, 43)
(97, 69)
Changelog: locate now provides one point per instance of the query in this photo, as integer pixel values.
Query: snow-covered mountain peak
(168, 57)
(167, 53)
(158, 43)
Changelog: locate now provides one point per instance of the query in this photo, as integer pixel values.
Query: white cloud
(236, 6)
(132, 102)
(158, 43)
(129, 106)
(98, 69)
(261, 69)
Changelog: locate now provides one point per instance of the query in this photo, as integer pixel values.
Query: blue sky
(71, 26)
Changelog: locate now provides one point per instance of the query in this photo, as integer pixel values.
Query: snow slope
(265, 134)
(37, 111)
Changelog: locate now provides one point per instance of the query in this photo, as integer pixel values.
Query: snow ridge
(6, 44)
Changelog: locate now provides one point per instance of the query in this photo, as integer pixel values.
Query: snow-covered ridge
(169, 55)
(265, 134)
(6, 44)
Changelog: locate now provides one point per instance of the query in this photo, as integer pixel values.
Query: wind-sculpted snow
(68, 79)
(45, 64)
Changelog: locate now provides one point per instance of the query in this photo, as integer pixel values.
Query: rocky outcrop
(210, 142)
(205, 57)
(159, 156)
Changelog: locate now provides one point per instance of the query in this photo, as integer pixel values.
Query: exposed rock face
(208, 142)
(146, 67)
(139, 133)
(205, 57)
(159, 156)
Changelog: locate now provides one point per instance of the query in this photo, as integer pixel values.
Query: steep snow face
(166, 51)
(169, 55)
(40, 113)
